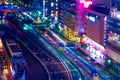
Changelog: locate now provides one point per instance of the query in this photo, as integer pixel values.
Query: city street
(59, 40)
(29, 67)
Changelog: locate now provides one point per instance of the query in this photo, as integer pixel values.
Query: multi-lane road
(86, 67)
(58, 66)
(55, 64)
(75, 72)
(55, 68)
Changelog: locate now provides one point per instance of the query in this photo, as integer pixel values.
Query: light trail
(57, 37)
(26, 14)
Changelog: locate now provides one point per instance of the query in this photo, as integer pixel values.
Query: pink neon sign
(86, 3)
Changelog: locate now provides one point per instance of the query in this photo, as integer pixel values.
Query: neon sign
(91, 18)
(86, 3)
(82, 1)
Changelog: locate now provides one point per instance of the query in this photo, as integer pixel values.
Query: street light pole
(44, 9)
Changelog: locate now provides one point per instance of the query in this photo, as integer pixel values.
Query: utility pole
(44, 9)
(79, 15)
(80, 18)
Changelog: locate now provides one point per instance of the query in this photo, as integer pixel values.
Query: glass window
(110, 21)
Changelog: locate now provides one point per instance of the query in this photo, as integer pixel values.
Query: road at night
(70, 66)
(59, 39)
(69, 70)
(86, 67)
(56, 68)
(49, 60)
(33, 65)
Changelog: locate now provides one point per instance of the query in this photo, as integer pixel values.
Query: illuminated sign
(82, 1)
(91, 18)
(118, 15)
(88, 0)
(114, 13)
(86, 3)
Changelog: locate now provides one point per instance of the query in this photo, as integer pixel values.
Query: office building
(113, 36)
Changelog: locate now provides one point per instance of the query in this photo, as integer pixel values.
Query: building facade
(113, 38)
(67, 18)
(68, 13)
(94, 26)
(93, 21)
(102, 27)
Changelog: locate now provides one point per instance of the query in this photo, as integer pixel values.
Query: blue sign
(91, 18)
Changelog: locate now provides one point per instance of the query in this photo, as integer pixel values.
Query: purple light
(86, 3)
(82, 1)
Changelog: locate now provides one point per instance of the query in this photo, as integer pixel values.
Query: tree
(84, 46)
(107, 63)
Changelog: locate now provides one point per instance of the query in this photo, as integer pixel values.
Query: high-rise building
(101, 25)
(54, 11)
(115, 3)
(67, 18)
(90, 22)
(46, 6)
(113, 36)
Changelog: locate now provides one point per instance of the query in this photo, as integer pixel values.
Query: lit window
(91, 18)
(52, 4)
(52, 15)
(52, 11)
(56, 4)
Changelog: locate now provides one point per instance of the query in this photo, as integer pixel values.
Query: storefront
(95, 51)
(113, 36)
